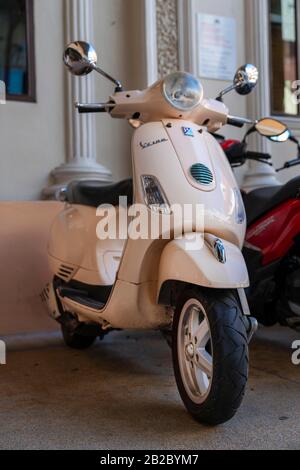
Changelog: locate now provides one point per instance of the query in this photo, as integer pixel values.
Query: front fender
(200, 267)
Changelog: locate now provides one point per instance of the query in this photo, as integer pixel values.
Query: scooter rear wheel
(210, 354)
(76, 341)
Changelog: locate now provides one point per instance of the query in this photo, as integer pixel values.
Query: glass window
(17, 49)
(284, 55)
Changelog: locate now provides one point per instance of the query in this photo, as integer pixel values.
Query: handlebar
(237, 154)
(259, 156)
(238, 121)
(93, 107)
(289, 164)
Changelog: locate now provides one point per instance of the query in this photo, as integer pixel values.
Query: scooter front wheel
(210, 354)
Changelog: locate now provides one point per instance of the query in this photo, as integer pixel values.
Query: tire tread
(231, 361)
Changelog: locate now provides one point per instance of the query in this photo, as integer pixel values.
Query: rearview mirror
(80, 58)
(244, 82)
(283, 137)
(273, 129)
(245, 79)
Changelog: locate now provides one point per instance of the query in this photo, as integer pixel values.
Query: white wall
(32, 134)
(238, 105)
(119, 39)
(24, 269)
(230, 8)
(234, 9)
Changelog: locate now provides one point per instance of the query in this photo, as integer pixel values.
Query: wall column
(258, 44)
(81, 142)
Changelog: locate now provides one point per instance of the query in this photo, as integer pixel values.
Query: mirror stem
(296, 141)
(224, 92)
(118, 84)
(292, 138)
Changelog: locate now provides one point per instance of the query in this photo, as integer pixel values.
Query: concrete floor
(121, 395)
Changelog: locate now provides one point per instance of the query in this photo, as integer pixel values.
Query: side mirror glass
(273, 129)
(245, 79)
(282, 138)
(80, 58)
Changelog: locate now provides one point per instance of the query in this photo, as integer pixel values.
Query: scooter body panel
(274, 233)
(166, 150)
(75, 251)
(171, 160)
(130, 306)
(200, 267)
(168, 154)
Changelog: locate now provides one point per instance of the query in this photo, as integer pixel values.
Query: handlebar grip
(258, 156)
(292, 163)
(236, 122)
(90, 108)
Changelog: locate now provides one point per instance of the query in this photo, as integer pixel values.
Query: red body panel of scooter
(274, 233)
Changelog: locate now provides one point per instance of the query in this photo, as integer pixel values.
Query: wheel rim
(194, 346)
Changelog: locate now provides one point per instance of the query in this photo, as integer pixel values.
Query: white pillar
(81, 133)
(150, 25)
(258, 44)
(259, 175)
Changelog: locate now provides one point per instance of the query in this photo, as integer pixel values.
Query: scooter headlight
(182, 90)
(240, 213)
(155, 197)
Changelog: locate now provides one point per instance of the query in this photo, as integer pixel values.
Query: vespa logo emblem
(146, 145)
(188, 131)
(2, 353)
(219, 251)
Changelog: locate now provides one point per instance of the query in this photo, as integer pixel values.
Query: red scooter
(272, 247)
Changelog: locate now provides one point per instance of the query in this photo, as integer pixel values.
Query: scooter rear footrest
(86, 301)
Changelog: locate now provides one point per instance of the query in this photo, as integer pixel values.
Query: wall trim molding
(186, 35)
(150, 23)
(259, 102)
(80, 129)
(257, 32)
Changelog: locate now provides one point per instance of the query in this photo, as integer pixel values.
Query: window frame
(30, 96)
(276, 113)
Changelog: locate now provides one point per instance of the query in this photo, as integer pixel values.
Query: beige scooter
(191, 287)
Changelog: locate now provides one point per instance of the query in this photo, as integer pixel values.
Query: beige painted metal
(74, 241)
(199, 267)
(131, 306)
(163, 162)
(152, 106)
(160, 149)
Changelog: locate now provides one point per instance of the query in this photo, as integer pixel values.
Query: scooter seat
(260, 201)
(94, 193)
